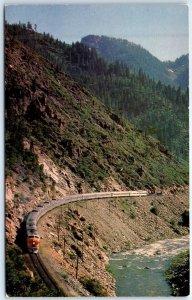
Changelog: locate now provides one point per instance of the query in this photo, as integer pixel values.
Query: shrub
(108, 269)
(132, 214)
(72, 255)
(173, 223)
(18, 281)
(77, 250)
(57, 244)
(154, 210)
(185, 218)
(178, 274)
(93, 286)
(90, 227)
(43, 188)
(65, 276)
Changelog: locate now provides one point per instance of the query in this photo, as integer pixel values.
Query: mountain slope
(158, 109)
(76, 130)
(136, 57)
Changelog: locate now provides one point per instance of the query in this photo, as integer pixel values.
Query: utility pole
(61, 213)
(156, 221)
(77, 266)
(82, 245)
(94, 235)
(58, 226)
(109, 206)
(64, 245)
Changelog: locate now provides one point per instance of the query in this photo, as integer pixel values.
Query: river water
(141, 272)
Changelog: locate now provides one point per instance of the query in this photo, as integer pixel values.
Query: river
(140, 272)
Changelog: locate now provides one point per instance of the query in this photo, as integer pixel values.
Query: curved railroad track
(42, 271)
(46, 206)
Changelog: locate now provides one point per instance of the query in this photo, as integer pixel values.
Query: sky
(162, 29)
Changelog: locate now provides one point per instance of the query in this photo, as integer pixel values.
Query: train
(32, 235)
(33, 238)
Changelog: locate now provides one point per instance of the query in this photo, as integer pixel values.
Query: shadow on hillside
(21, 237)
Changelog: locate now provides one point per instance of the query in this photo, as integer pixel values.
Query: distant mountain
(136, 57)
(179, 71)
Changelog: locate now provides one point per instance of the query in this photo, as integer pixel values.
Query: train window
(34, 236)
(34, 210)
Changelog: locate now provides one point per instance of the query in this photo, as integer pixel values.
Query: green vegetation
(174, 226)
(160, 110)
(154, 210)
(72, 255)
(18, 281)
(132, 214)
(128, 208)
(16, 156)
(93, 286)
(108, 269)
(57, 243)
(178, 274)
(75, 129)
(105, 247)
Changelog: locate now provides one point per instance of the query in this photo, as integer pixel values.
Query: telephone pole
(77, 266)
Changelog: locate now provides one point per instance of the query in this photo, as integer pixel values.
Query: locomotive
(32, 236)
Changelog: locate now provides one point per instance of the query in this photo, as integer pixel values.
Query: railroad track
(42, 271)
(46, 206)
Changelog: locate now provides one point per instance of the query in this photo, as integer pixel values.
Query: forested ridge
(158, 109)
(136, 57)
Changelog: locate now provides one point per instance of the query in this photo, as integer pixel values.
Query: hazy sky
(160, 28)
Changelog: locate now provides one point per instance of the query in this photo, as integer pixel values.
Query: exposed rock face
(10, 230)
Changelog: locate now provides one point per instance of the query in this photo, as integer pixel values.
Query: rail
(42, 271)
(46, 206)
